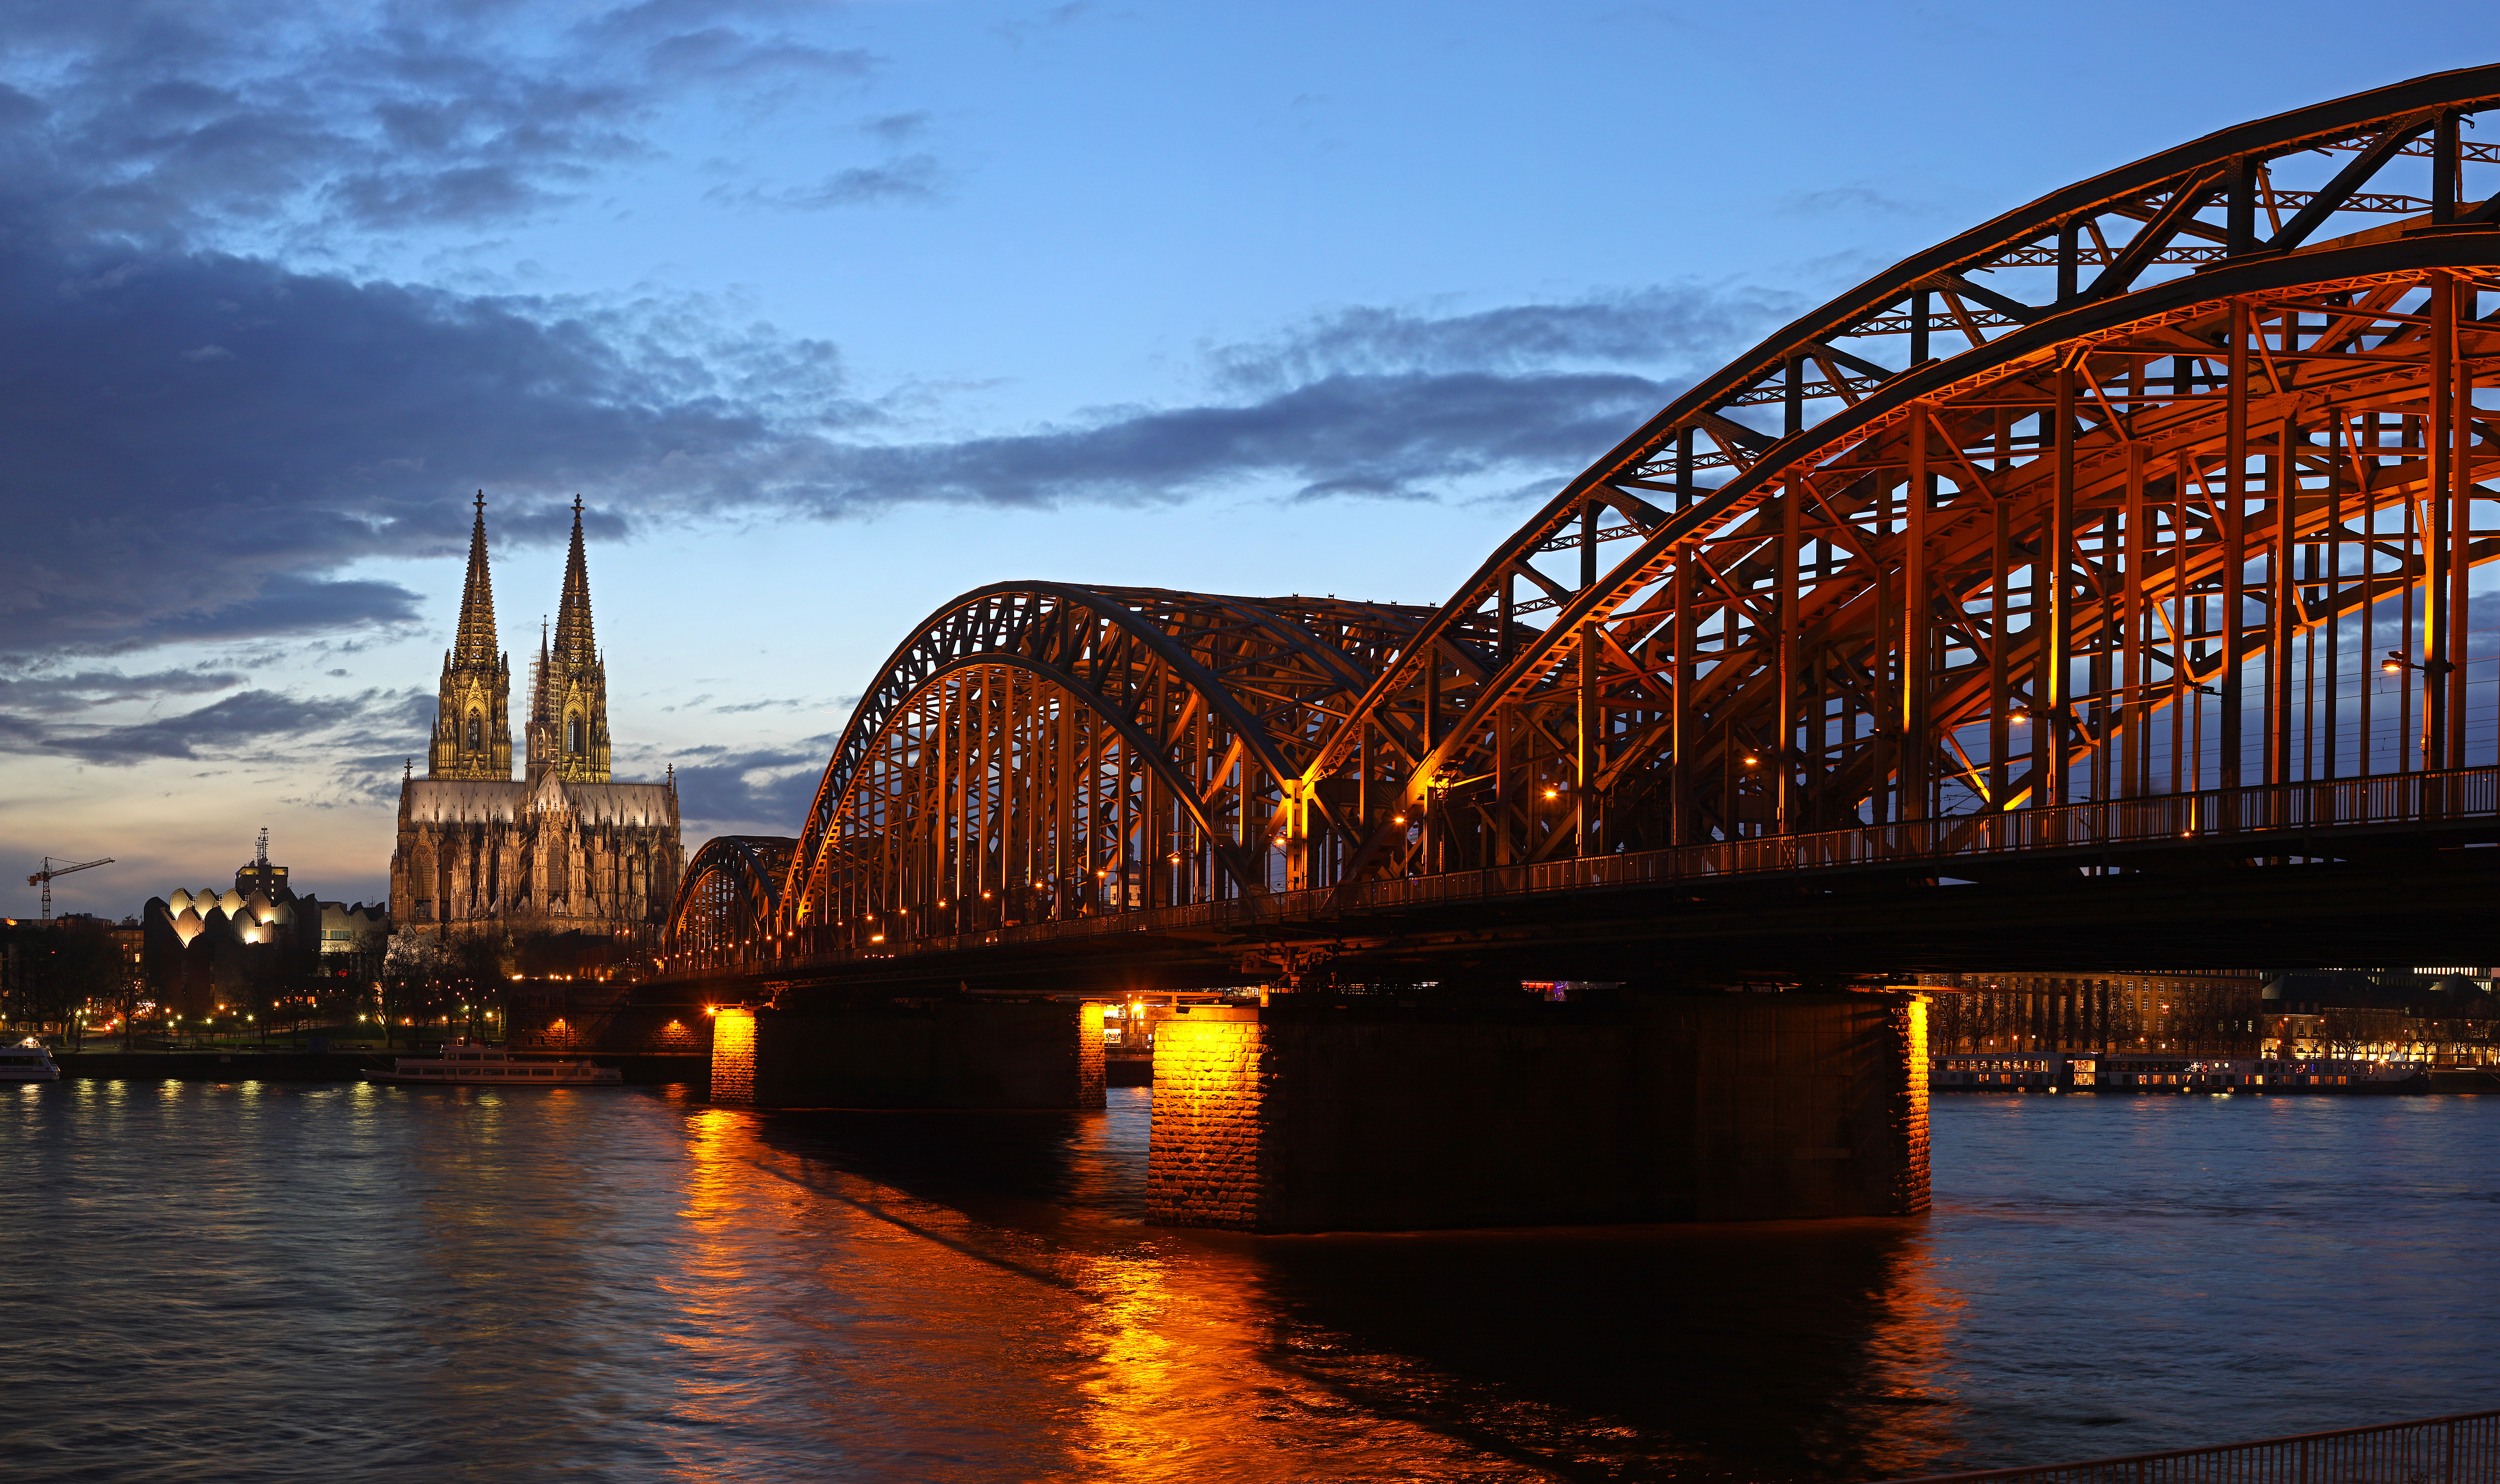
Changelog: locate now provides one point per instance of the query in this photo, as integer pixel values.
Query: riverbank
(650, 1069)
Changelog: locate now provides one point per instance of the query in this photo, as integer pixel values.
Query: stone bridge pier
(1379, 1116)
(940, 1053)
(1720, 1107)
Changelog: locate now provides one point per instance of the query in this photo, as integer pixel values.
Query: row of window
(477, 732)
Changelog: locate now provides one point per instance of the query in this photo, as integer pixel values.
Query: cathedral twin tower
(564, 850)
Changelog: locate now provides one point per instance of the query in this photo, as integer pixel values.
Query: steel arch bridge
(728, 900)
(2143, 512)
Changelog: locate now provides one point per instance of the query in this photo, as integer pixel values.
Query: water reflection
(1606, 1352)
(273, 1282)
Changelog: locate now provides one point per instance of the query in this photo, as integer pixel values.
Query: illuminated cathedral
(562, 849)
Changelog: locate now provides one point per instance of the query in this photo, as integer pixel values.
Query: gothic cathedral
(563, 851)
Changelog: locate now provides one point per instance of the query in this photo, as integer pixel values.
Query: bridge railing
(2268, 809)
(2268, 818)
(2462, 1449)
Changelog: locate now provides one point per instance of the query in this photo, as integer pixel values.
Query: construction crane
(44, 878)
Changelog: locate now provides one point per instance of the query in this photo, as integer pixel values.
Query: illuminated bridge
(2094, 587)
(2057, 580)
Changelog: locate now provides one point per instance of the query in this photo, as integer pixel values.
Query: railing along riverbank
(2275, 818)
(2459, 1449)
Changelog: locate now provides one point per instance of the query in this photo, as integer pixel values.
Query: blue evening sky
(832, 312)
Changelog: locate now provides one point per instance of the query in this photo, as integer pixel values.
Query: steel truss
(1040, 753)
(728, 902)
(2123, 495)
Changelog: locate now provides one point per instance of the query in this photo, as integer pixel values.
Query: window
(572, 735)
(477, 731)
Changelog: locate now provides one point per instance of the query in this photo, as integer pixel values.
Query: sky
(831, 312)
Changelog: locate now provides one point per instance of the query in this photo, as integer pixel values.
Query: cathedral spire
(573, 645)
(473, 733)
(476, 642)
(568, 730)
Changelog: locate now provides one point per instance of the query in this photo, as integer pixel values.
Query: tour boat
(473, 1064)
(29, 1062)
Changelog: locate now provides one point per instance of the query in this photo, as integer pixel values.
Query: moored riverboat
(28, 1061)
(474, 1064)
(2094, 1072)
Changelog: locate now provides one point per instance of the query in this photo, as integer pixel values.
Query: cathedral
(563, 849)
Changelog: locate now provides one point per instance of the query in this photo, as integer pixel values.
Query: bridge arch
(2074, 506)
(2125, 495)
(1041, 750)
(728, 902)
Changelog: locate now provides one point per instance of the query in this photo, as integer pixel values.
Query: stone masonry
(1303, 1118)
(958, 1054)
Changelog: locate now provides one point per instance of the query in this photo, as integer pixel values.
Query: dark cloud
(160, 118)
(1368, 436)
(203, 443)
(248, 721)
(1653, 329)
(66, 693)
(764, 790)
(211, 498)
(897, 128)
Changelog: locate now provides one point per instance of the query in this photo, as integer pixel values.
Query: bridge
(2094, 584)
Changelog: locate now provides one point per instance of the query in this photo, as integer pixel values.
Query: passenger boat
(29, 1062)
(474, 1064)
(2098, 1072)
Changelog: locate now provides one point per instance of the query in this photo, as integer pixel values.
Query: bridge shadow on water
(1799, 1350)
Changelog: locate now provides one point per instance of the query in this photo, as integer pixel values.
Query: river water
(257, 1280)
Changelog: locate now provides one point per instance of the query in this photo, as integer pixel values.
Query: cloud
(764, 790)
(1367, 435)
(1656, 328)
(245, 722)
(897, 129)
(161, 118)
(908, 181)
(214, 499)
(211, 441)
(1854, 200)
(59, 694)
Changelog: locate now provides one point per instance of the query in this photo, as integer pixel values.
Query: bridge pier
(949, 1053)
(1733, 1108)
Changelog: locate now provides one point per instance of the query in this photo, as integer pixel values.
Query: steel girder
(729, 898)
(1745, 623)
(1039, 750)
(2119, 495)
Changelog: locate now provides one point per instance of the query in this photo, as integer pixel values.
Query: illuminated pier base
(1738, 1108)
(967, 1054)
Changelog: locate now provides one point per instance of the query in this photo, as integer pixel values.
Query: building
(2216, 1013)
(257, 944)
(2439, 1015)
(565, 848)
(2445, 1017)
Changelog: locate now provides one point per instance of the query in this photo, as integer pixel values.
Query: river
(275, 1282)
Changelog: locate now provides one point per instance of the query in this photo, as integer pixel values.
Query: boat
(28, 1061)
(474, 1064)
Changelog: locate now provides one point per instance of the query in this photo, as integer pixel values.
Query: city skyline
(828, 316)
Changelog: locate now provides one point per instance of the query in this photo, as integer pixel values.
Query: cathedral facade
(562, 848)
